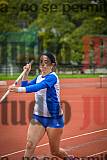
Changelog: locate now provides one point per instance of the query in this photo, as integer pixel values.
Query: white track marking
(3, 83)
(97, 153)
(42, 145)
(6, 155)
(85, 144)
(85, 134)
(45, 144)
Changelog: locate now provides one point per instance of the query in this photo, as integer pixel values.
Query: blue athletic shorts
(49, 121)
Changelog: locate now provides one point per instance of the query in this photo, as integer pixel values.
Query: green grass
(78, 75)
(14, 77)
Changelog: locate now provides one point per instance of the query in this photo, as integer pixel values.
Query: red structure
(97, 45)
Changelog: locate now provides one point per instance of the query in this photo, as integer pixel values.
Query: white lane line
(85, 144)
(45, 144)
(3, 83)
(85, 134)
(97, 153)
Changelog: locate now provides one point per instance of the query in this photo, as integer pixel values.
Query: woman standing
(47, 116)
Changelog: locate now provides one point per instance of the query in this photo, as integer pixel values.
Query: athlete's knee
(30, 145)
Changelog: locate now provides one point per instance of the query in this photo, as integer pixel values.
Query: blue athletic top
(47, 95)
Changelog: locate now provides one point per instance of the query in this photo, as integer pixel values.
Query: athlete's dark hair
(51, 57)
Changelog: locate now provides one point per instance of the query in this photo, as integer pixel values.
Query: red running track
(85, 132)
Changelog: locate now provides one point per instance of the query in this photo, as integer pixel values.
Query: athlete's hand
(27, 67)
(13, 88)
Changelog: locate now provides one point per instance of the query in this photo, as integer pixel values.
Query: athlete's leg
(35, 132)
(54, 135)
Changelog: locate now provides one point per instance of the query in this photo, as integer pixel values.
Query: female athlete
(47, 116)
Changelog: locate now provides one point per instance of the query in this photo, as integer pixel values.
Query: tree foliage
(61, 24)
